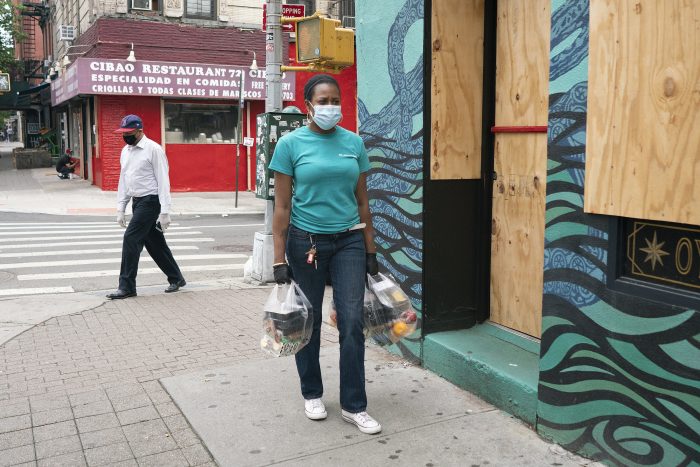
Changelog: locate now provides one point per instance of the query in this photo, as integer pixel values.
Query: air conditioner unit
(141, 5)
(67, 33)
(349, 22)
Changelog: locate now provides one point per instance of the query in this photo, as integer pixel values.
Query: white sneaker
(315, 409)
(363, 421)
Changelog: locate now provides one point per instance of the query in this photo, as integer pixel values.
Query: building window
(309, 4)
(140, 6)
(200, 123)
(346, 13)
(203, 9)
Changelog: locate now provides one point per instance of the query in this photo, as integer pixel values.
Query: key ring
(311, 254)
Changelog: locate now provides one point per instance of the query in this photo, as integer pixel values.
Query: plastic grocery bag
(388, 315)
(375, 319)
(287, 321)
(398, 315)
(378, 319)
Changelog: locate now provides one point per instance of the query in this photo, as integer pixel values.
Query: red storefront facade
(190, 109)
(184, 84)
(100, 86)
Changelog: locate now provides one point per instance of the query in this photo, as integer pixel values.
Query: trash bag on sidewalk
(287, 321)
(398, 317)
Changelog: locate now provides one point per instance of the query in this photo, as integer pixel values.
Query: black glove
(372, 265)
(282, 273)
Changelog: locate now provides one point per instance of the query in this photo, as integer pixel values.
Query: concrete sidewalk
(426, 420)
(41, 191)
(85, 389)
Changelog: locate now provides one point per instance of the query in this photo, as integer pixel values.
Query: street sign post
(263, 251)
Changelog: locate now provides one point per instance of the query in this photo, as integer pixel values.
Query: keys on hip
(311, 254)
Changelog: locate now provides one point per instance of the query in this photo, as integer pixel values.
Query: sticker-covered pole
(273, 75)
(273, 56)
(263, 246)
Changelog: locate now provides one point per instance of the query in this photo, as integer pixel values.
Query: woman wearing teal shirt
(324, 227)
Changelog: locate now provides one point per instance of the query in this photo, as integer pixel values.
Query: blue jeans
(343, 256)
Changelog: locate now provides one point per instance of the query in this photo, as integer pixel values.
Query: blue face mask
(326, 116)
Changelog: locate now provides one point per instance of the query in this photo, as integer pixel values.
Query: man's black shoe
(119, 294)
(175, 286)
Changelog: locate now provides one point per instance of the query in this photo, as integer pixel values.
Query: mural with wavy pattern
(390, 111)
(619, 376)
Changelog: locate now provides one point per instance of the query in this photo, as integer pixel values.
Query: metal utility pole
(239, 131)
(263, 250)
(273, 56)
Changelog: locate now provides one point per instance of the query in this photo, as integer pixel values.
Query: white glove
(164, 220)
(121, 218)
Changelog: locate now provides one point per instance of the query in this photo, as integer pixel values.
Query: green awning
(20, 97)
(28, 97)
(33, 90)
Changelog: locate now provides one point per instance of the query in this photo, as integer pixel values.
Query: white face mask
(326, 116)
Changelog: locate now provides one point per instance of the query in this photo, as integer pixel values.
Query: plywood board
(643, 124)
(522, 62)
(520, 164)
(456, 89)
(517, 234)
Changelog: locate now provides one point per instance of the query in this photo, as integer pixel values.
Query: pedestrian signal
(323, 42)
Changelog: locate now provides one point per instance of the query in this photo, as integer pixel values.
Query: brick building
(33, 55)
(180, 65)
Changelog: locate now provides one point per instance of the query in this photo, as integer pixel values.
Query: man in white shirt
(144, 180)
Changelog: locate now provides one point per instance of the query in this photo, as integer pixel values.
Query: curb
(100, 212)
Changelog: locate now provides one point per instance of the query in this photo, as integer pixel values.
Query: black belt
(357, 227)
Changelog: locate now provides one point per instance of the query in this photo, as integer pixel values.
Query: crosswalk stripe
(77, 225)
(36, 291)
(86, 262)
(52, 223)
(34, 254)
(101, 242)
(85, 237)
(114, 273)
(110, 227)
(57, 232)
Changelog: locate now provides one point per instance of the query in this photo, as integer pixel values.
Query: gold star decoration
(654, 252)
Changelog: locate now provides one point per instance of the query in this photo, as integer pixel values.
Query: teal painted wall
(390, 113)
(619, 376)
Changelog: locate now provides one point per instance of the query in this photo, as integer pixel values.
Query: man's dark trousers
(142, 232)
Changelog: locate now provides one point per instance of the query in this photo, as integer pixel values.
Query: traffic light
(323, 42)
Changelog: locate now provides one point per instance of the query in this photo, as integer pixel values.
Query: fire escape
(35, 14)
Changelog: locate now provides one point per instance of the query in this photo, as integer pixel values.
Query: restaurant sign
(666, 254)
(94, 76)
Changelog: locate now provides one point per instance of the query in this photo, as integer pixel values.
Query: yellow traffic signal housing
(322, 41)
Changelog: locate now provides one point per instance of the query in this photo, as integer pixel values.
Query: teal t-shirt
(324, 169)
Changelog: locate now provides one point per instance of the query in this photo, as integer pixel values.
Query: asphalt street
(45, 254)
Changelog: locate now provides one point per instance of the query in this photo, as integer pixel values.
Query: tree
(10, 33)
